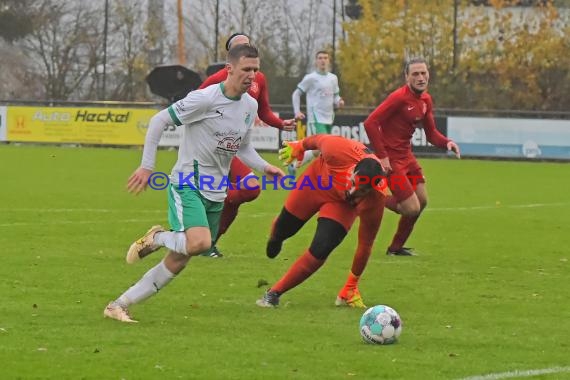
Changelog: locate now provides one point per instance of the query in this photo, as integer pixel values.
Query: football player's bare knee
(423, 204)
(410, 206)
(198, 246)
(198, 240)
(421, 193)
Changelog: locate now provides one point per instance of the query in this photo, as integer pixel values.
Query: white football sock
(152, 281)
(173, 240)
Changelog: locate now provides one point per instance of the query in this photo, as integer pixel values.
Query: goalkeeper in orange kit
(355, 190)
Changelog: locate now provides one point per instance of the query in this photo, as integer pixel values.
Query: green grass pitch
(487, 294)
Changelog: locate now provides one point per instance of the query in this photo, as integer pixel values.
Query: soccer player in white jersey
(323, 95)
(216, 124)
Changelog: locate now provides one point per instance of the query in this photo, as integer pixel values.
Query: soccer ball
(380, 325)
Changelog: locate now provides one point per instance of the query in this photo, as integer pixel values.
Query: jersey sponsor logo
(326, 93)
(229, 144)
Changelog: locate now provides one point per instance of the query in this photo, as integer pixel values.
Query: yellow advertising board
(113, 126)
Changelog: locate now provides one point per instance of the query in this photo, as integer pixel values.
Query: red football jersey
(258, 91)
(391, 125)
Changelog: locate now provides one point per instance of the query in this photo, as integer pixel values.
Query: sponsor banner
(352, 127)
(113, 126)
(172, 136)
(263, 136)
(3, 123)
(419, 139)
(517, 138)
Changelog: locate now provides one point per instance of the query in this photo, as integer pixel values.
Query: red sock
(242, 195)
(351, 282)
(360, 259)
(301, 269)
(405, 227)
(233, 200)
(229, 213)
(391, 203)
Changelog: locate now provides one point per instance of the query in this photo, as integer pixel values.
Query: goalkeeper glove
(292, 150)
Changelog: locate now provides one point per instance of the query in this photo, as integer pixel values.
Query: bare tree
(64, 47)
(129, 59)
(17, 79)
(307, 26)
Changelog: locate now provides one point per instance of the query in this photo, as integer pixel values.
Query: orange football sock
(351, 282)
(301, 269)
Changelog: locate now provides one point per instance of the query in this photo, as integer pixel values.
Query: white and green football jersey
(322, 93)
(214, 127)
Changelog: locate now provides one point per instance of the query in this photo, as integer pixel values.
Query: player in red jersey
(390, 128)
(340, 184)
(250, 191)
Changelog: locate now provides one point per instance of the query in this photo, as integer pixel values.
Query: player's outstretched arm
(289, 125)
(292, 150)
(138, 181)
(452, 146)
(273, 171)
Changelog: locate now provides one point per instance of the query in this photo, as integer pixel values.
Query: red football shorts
(238, 168)
(406, 175)
(306, 202)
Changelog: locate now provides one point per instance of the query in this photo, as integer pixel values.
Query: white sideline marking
(101, 210)
(252, 215)
(517, 373)
(494, 207)
(104, 210)
(39, 224)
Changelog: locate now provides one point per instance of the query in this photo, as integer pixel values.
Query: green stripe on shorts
(187, 208)
(321, 128)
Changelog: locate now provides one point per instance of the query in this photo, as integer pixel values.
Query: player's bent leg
(414, 205)
(330, 233)
(297, 210)
(410, 206)
(244, 188)
(283, 227)
(153, 280)
(421, 193)
(322, 246)
(198, 240)
(328, 236)
(236, 197)
(144, 246)
(176, 262)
